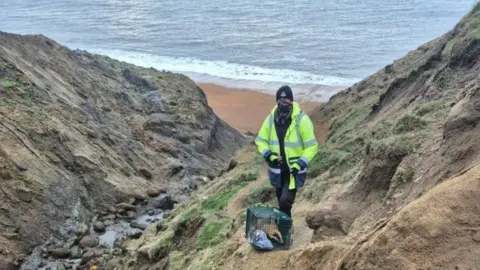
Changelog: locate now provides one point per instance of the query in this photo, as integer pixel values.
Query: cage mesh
(275, 223)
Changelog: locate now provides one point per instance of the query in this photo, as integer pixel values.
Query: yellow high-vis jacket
(300, 145)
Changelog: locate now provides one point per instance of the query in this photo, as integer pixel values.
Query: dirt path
(237, 203)
(247, 257)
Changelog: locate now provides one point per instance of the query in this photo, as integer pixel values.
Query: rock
(134, 234)
(131, 214)
(112, 209)
(99, 226)
(113, 264)
(60, 266)
(117, 251)
(88, 256)
(155, 192)
(126, 206)
(108, 223)
(166, 215)
(89, 241)
(24, 195)
(108, 217)
(75, 252)
(476, 237)
(61, 253)
(21, 167)
(149, 220)
(151, 212)
(137, 225)
(137, 80)
(165, 203)
(132, 201)
(145, 173)
(326, 223)
(233, 163)
(82, 229)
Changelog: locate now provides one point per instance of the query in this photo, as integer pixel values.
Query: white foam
(206, 71)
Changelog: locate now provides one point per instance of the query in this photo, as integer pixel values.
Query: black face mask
(284, 110)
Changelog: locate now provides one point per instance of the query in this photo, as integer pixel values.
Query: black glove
(294, 172)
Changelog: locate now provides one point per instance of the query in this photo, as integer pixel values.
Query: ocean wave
(204, 71)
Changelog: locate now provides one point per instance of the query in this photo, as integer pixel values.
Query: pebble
(89, 241)
(75, 252)
(60, 253)
(137, 225)
(126, 206)
(99, 226)
(155, 192)
(60, 266)
(131, 214)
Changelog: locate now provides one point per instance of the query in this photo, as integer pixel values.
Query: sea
(260, 44)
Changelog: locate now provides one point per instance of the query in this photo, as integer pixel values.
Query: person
(287, 143)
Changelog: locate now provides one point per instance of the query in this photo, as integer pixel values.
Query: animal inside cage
(268, 228)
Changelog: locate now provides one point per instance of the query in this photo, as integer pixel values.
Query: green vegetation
(409, 123)
(348, 123)
(9, 84)
(248, 177)
(433, 109)
(216, 203)
(331, 159)
(396, 145)
(403, 176)
(469, 31)
(213, 233)
(383, 195)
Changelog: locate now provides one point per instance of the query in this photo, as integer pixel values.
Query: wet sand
(244, 109)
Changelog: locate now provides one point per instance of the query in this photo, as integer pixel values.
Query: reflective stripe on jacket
(300, 145)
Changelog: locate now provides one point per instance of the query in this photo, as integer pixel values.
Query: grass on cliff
(9, 84)
(213, 233)
(201, 223)
(409, 123)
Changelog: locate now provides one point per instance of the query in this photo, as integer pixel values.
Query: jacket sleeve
(262, 138)
(310, 144)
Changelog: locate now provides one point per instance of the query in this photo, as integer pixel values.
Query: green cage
(273, 222)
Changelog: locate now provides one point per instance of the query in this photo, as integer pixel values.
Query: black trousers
(285, 196)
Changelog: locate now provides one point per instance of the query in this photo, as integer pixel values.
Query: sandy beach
(243, 109)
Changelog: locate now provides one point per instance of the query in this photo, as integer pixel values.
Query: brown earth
(244, 109)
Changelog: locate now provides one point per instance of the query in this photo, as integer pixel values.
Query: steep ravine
(394, 185)
(83, 133)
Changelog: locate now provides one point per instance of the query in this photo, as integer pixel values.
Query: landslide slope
(81, 131)
(387, 141)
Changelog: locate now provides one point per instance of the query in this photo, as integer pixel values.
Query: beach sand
(244, 109)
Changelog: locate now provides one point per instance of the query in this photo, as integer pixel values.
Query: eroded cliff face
(81, 131)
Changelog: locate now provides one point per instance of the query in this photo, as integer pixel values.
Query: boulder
(165, 203)
(89, 241)
(60, 253)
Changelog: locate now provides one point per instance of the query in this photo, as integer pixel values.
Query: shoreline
(245, 109)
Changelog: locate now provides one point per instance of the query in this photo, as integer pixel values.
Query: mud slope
(81, 131)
